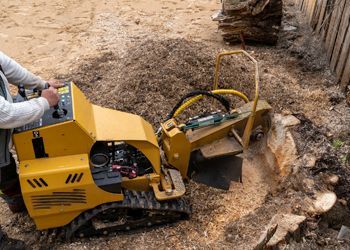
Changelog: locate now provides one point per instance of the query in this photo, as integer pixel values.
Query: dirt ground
(53, 36)
(141, 57)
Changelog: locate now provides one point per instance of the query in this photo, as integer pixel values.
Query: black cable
(220, 98)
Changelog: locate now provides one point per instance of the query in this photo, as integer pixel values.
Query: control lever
(59, 112)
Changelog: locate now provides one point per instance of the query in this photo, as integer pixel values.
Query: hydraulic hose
(199, 97)
(195, 94)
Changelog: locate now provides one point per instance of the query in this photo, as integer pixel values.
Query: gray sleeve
(16, 74)
(13, 115)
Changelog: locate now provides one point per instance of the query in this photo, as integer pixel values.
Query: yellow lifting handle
(250, 123)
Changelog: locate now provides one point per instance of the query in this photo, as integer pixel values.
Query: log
(258, 21)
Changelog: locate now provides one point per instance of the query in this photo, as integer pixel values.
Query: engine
(119, 157)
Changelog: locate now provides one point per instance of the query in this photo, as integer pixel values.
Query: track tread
(132, 200)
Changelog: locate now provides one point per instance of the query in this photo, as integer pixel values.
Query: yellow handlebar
(250, 123)
(227, 53)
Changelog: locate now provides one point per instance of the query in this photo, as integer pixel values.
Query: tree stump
(256, 21)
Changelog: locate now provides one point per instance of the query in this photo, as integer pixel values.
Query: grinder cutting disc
(217, 172)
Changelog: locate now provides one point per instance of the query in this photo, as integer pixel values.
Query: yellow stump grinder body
(93, 170)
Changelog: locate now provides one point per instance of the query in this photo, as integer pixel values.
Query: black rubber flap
(218, 172)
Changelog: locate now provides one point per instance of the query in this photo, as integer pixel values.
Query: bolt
(127, 228)
(81, 235)
(169, 191)
(259, 136)
(149, 224)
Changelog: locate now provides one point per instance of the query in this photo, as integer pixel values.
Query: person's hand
(51, 96)
(55, 84)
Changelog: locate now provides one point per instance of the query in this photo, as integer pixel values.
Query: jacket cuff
(42, 85)
(44, 103)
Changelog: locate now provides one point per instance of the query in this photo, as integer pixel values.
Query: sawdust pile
(154, 75)
(151, 76)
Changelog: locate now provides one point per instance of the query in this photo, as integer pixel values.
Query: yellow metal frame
(58, 194)
(68, 145)
(178, 145)
(250, 122)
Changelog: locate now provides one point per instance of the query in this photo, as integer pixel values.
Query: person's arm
(13, 115)
(16, 74)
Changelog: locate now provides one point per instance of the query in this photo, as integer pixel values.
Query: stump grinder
(91, 170)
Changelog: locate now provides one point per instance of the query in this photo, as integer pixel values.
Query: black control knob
(59, 112)
(22, 91)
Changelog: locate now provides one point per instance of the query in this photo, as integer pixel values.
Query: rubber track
(132, 200)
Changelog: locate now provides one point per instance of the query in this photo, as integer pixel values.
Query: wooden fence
(330, 20)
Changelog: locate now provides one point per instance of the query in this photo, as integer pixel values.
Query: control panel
(60, 113)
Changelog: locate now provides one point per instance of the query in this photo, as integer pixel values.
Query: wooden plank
(333, 30)
(298, 3)
(303, 5)
(312, 10)
(340, 42)
(332, 17)
(326, 19)
(321, 17)
(307, 9)
(345, 80)
(341, 67)
(316, 14)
